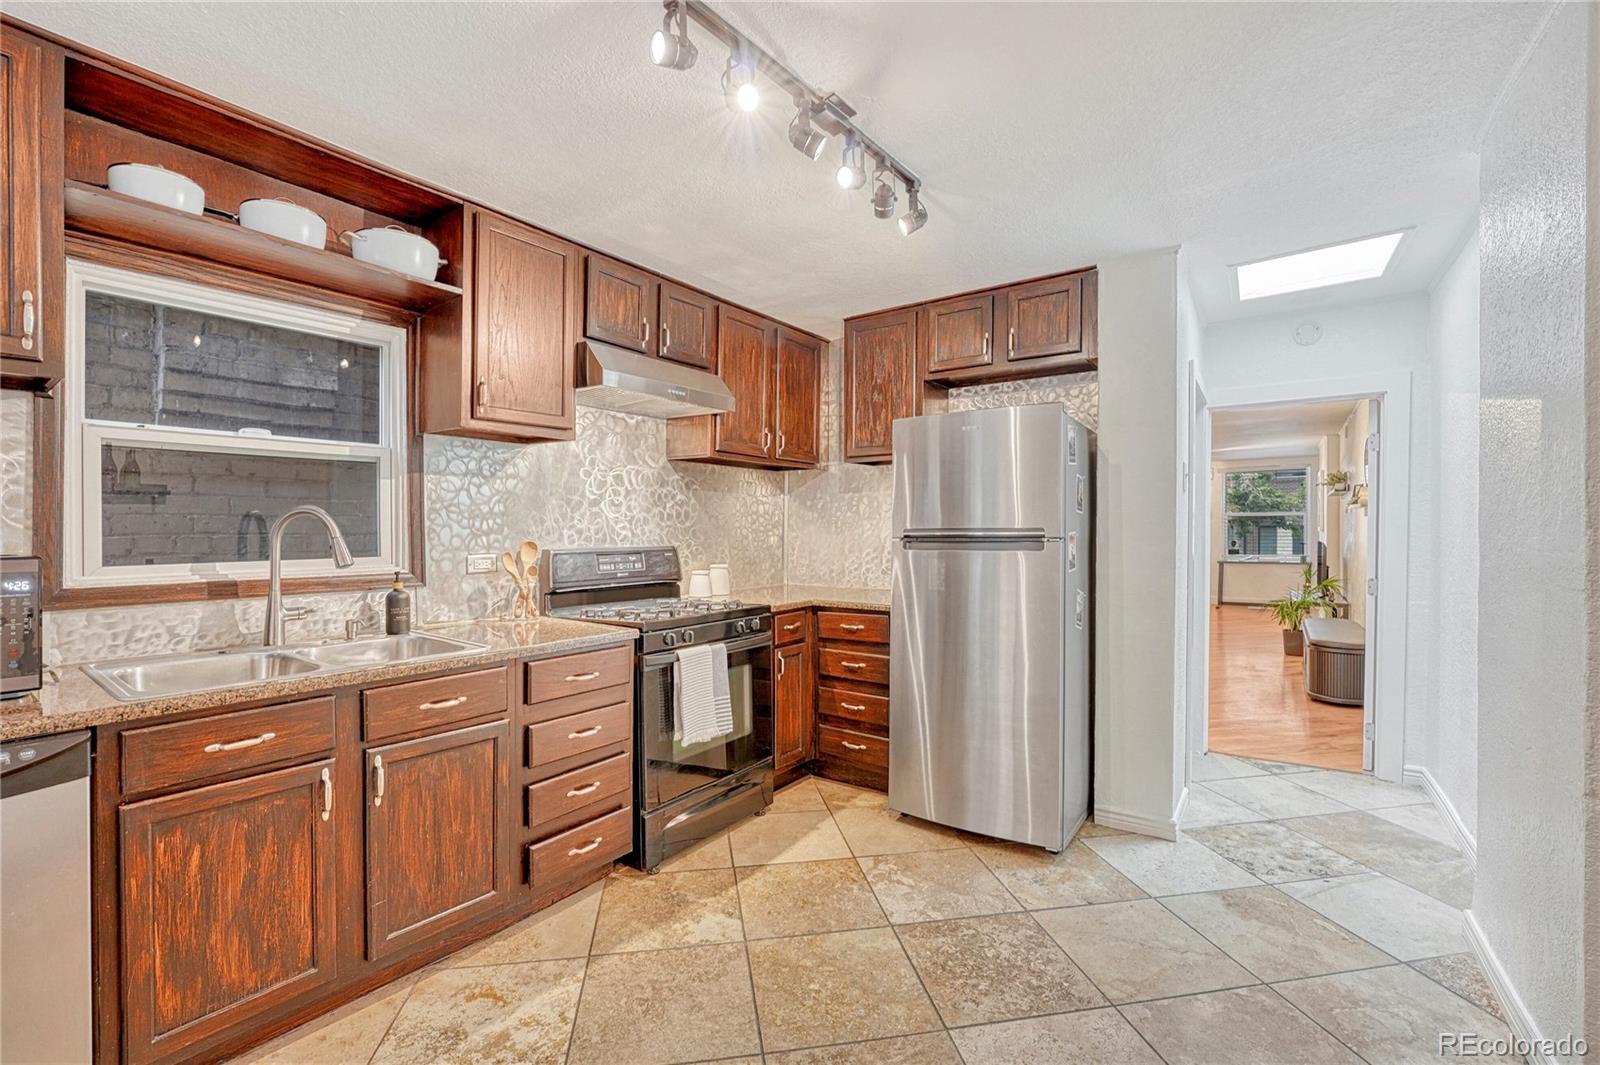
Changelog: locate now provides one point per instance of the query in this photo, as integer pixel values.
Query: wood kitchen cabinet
(436, 834)
(228, 905)
(620, 304)
(882, 382)
(688, 331)
(852, 700)
(794, 699)
(31, 353)
(960, 334)
(1044, 320)
(775, 375)
(498, 362)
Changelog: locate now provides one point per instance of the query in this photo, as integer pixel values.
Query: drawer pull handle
(443, 704)
(587, 847)
(587, 789)
(854, 746)
(377, 780)
(852, 706)
(793, 626)
(582, 676)
(239, 745)
(852, 628)
(854, 665)
(327, 794)
(581, 734)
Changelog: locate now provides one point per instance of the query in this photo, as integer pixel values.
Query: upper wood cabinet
(882, 382)
(499, 362)
(745, 351)
(31, 353)
(437, 834)
(620, 305)
(228, 906)
(688, 330)
(797, 399)
(1045, 319)
(960, 334)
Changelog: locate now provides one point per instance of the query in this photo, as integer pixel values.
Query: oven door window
(673, 769)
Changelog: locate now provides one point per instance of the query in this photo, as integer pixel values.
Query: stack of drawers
(853, 696)
(577, 727)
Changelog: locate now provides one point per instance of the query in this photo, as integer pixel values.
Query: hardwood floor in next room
(1259, 708)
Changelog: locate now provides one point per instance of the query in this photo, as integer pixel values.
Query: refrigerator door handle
(1037, 543)
(1034, 533)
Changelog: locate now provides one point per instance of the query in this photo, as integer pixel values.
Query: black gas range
(683, 794)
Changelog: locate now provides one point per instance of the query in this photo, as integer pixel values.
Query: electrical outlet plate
(480, 563)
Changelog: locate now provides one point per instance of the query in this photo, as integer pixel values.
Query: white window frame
(82, 436)
(1307, 530)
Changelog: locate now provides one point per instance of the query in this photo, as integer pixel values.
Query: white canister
(699, 584)
(721, 580)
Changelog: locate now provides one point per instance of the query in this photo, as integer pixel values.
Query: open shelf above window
(92, 209)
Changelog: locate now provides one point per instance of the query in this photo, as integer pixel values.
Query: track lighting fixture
(852, 172)
(807, 140)
(739, 85)
(819, 116)
(883, 194)
(916, 214)
(671, 47)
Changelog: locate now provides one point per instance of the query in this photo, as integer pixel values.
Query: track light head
(806, 138)
(852, 172)
(670, 46)
(916, 215)
(739, 87)
(883, 194)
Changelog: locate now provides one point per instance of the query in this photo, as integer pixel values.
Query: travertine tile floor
(1306, 916)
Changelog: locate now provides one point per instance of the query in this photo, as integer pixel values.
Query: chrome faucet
(277, 613)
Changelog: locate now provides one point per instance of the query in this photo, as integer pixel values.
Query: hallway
(1259, 708)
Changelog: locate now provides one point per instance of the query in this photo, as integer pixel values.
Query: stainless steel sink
(184, 674)
(383, 650)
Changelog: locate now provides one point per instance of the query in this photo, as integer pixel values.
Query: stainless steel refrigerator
(990, 661)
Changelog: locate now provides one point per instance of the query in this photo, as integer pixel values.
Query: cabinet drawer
(577, 850)
(790, 626)
(863, 628)
(857, 748)
(550, 741)
(161, 756)
(857, 706)
(573, 790)
(853, 665)
(427, 704)
(554, 678)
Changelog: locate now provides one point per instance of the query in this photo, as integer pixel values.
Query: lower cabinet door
(436, 834)
(228, 906)
(792, 712)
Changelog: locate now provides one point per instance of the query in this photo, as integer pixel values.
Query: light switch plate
(480, 563)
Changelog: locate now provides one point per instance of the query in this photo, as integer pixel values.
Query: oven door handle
(743, 643)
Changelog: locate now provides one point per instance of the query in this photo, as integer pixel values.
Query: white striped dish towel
(705, 709)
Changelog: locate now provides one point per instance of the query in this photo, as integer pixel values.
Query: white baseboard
(1160, 828)
(1516, 1012)
(1466, 843)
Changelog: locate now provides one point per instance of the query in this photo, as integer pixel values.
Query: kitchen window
(1266, 514)
(196, 417)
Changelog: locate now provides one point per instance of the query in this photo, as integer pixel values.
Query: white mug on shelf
(721, 580)
(699, 584)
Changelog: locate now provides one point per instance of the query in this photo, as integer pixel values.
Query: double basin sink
(185, 674)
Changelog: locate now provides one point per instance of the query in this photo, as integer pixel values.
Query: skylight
(1356, 260)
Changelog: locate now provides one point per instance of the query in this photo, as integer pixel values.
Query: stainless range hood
(618, 379)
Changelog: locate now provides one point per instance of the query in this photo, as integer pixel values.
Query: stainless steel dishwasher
(46, 983)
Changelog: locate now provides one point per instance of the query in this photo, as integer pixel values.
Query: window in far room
(1266, 513)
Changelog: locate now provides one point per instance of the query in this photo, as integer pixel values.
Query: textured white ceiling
(1291, 428)
(1049, 135)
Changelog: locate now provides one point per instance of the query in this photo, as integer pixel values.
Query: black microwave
(21, 625)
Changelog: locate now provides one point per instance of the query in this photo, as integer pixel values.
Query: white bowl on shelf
(282, 218)
(157, 184)
(397, 249)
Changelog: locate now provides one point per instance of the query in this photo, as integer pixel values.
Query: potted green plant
(1337, 481)
(1312, 597)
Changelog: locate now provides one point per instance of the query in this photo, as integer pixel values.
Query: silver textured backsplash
(839, 515)
(613, 485)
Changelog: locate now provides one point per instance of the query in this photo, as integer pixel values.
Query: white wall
(1535, 581)
(1357, 338)
(1140, 564)
(1352, 547)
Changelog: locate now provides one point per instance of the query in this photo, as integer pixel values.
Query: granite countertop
(71, 700)
(798, 596)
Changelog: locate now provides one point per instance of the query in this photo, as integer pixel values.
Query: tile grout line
(1285, 1000)
(749, 966)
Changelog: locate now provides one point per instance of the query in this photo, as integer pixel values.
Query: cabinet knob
(27, 319)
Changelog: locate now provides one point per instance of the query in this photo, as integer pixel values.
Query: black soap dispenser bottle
(397, 609)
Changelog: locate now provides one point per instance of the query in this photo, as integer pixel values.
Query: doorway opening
(1292, 536)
